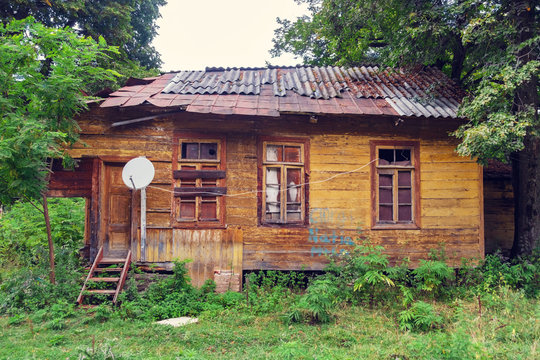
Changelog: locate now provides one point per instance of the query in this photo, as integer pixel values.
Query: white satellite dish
(138, 173)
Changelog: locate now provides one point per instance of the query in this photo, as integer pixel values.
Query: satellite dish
(138, 173)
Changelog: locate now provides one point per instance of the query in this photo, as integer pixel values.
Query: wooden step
(118, 265)
(88, 306)
(103, 292)
(115, 269)
(112, 261)
(104, 279)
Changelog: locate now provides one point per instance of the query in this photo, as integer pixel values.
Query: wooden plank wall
(451, 190)
(499, 221)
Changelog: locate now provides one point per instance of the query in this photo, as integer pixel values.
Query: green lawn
(506, 330)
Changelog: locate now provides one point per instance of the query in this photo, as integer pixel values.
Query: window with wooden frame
(395, 184)
(199, 180)
(283, 174)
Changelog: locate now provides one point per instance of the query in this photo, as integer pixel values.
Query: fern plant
(317, 303)
(431, 275)
(420, 316)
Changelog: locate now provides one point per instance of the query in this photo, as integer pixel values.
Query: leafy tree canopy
(43, 75)
(128, 24)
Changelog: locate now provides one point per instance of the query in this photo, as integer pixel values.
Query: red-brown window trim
(415, 147)
(220, 223)
(260, 156)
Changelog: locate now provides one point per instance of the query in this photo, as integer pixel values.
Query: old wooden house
(275, 168)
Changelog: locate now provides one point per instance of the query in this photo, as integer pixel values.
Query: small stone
(181, 321)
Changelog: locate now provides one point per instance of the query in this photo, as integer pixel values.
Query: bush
(174, 296)
(364, 274)
(431, 275)
(23, 235)
(272, 291)
(316, 304)
(420, 316)
(29, 289)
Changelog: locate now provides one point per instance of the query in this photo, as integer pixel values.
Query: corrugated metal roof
(330, 89)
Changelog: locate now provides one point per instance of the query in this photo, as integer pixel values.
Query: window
(283, 178)
(395, 184)
(199, 180)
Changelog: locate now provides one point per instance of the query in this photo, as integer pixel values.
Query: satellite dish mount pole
(143, 215)
(143, 224)
(138, 171)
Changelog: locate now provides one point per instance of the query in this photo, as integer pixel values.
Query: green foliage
(128, 24)
(27, 288)
(316, 304)
(174, 296)
(441, 345)
(272, 291)
(420, 316)
(367, 269)
(102, 353)
(431, 275)
(23, 236)
(43, 73)
(24, 256)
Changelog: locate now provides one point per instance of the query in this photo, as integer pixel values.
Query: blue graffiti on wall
(328, 240)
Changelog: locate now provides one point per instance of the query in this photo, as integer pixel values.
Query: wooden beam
(200, 191)
(199, 174)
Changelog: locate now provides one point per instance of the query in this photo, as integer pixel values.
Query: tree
(128, 24)
(43, 75)
(492, 48)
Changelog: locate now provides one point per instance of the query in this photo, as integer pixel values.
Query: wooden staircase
(107, 267)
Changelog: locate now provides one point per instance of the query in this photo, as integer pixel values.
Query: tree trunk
(526, 164)
(52, 276)
(526, 184)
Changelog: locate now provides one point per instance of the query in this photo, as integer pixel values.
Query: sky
(194, 34)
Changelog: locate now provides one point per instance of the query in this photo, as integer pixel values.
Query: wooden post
(133, 221)
(143, 224)
(49, 238)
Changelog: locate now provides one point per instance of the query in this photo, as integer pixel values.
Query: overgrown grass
(509, 330)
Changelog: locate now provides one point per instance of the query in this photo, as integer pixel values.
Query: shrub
(28, 288)
(364, 274)
(174, 296)
(272, 291)
(23, 234)
(419, 316)
(431, 275)
(316, 304)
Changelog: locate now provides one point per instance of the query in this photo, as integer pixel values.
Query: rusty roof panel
(114, 101)
(327, 89)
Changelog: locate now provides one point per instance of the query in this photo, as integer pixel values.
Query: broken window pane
(386, 156)
(209, 151)
(403, 157)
